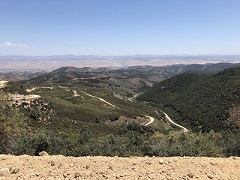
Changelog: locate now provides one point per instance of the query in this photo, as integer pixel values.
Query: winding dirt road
(132, 98)
(167, 117)
(151, 120)
(42, 87)
(172, 122)
(101, 99)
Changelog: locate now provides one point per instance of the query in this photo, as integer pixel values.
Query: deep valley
(178, 110)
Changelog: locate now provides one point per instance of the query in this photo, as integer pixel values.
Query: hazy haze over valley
(48, 63)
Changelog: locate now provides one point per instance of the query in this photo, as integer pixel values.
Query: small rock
(33, 175)
(14, 170)
(190, 175)
(19, 176)
(43, 153)
(60, 165)
(37, 174)
(161, 162)
(87, 166)
(77, 175)
(213, 163)
(65, 175)
(4, 172)
(148, 163)
(52, 163)
(71, 165)
(210, 176)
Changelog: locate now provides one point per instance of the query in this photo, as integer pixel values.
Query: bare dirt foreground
(60, 167)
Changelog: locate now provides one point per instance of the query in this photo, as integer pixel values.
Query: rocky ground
(60, 167)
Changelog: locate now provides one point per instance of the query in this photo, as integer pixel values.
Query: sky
(119, 27)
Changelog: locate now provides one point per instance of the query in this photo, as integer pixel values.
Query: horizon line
(129, 55)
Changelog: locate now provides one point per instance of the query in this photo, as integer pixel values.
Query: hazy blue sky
(119, 27)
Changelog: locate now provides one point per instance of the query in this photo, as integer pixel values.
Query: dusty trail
(75, 94)
(151, 120)
(132, 168)
(101, 99)
(172, 122)
(41, 87)
(167, 117)
(134, 97)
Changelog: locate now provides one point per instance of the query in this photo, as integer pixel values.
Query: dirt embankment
(60, 167)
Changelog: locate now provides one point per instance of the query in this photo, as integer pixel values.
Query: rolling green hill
(124, 81)
(199, 101)
(70, 118)
(83, 115)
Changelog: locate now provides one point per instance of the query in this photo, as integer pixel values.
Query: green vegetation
(12, 122)
(16, 88)
(85, 134)
(198, 101)
(61, 123)
(22, 135)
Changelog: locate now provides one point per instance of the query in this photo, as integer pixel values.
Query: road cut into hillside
(152, 119)
(3, 83)
(41, 87)
(101, 99)
(165, 168)
(75, 94)
(172, 122)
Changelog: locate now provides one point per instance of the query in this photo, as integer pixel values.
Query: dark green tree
(85, 134)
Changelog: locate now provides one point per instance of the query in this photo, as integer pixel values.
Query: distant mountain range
(53, 62)
(124, 81)
(149, 73)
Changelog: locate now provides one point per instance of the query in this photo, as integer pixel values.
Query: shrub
(85, 134)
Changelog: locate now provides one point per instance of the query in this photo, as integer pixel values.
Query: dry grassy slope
(60, 167)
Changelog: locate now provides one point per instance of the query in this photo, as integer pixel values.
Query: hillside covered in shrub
(202, 102)
(70, 118)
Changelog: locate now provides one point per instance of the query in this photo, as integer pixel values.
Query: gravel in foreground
(60, 167)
